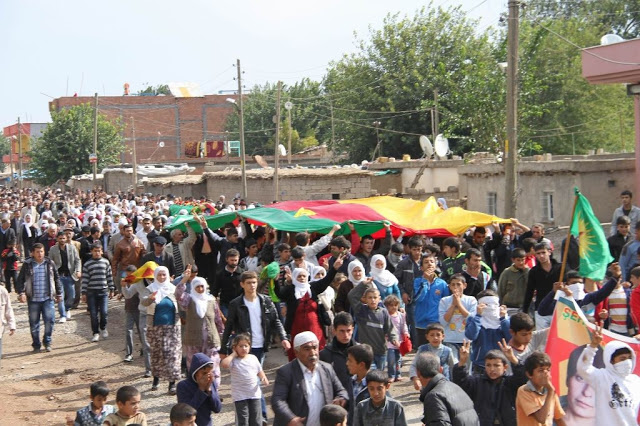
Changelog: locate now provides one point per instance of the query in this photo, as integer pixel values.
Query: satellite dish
(610, 39)
(282, 149)
(161, 144)
(288, 105)
(426, 146)
(441, 146)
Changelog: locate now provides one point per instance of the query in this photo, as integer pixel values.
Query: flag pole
(565, 252)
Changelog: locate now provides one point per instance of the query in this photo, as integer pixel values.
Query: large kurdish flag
(367, 214)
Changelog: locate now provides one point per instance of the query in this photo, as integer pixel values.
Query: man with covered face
(305, 385)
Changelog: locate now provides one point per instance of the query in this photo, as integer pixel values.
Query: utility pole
(19, 154)
(243, 164)
(277, 121)
(95, 136)
(511, 144)
(134, 159)
(289, 143)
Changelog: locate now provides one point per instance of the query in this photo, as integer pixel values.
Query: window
(547, 206)
(492, 203)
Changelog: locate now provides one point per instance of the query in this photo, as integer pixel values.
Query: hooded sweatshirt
(204, 402)
(617, 396)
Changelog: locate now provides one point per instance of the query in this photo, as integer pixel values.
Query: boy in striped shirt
(97, 289)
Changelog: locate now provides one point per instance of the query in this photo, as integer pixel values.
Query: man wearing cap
(161, 257)
(305, 385)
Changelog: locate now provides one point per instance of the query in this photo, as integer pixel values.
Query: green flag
(594, 249)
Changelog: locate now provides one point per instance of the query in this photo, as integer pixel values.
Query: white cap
(304, 338)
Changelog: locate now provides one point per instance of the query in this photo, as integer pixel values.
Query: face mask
(624, 368)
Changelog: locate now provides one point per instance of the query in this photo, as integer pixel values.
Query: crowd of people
(475, 308)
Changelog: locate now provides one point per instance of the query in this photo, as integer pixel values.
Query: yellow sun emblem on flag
(587, 242)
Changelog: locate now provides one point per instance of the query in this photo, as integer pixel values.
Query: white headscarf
(27, 224)
(381, 275)
(491, 315)
(353, 265)
(201, 300)
(315, 271)
(301, 288)
(163, 289)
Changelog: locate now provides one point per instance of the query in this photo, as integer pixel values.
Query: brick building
(179, 122)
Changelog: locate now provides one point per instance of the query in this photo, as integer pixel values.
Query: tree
(5, 148)
(160, 89)
(63, 149)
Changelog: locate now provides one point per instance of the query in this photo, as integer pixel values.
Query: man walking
(67, 261)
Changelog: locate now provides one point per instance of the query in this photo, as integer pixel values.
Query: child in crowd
(182, 415)
(199, 389)
(379, 409)
(333, 415)
(251, 261)
(245, 371)
(359, 360)
(453, 263)
(537, 402)
(434, 335)
(493, 393)
(453, 312)
(373, 322)
(618, 307)
(95, 413)
(385, 281)
(7, 318)
(97, 288)
(512, 284)
(428, 290)
(128, 401)
(487, 327)
(394, 360)
(524, 340)
(616, 388)
(10, 256)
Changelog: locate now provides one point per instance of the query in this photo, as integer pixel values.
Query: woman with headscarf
(203, 322)
(163, 331)
(28, 234)
(385, 281)
(302, 303)
(355, 274)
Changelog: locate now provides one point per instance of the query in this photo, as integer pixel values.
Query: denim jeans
(47, 310)
(379, 362)
(69, 291)
(259, 353)
(146, 350)
(248, 412)
(98, 302)
(131, 319)
(61, 310)
(394, 361)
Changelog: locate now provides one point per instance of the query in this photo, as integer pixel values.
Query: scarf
(381, 275)
(301, 288)
(353, 265)
(315, 271)
(163, 289)
(491, 315)
(27, 224)
(201, 300)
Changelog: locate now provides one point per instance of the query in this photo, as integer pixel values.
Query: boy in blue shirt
(488, 327)
(427, 292)
(97, 410)
(435, 336)
(454, 311)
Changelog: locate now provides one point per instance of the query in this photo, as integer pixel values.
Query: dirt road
(43, 388)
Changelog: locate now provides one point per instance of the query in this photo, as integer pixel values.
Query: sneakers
(147, 374)
(105, 333)
(95, 337)
(47, 348)
(172, 388)
(62, 320)
(128, 358)
(69, 315)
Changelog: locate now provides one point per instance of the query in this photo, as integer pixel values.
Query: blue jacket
(426, 299)
(485, 339)
(548, 304)
(189, 393)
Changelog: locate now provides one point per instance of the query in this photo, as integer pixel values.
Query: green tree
(160, 89)
(64, 148)
(5, 148)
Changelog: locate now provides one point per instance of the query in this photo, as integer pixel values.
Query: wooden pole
(276, 189)
(565, 253)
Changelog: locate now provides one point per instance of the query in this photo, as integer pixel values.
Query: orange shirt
(529, 401)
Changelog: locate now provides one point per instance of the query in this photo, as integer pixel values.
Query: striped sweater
(97, 276)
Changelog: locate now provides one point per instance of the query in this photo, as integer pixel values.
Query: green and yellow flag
(594, 250)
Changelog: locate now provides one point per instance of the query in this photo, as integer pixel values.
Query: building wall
(179, 189)
(438, 175)
(600, 180)
(179, 121)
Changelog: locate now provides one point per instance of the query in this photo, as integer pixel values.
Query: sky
(57, 48)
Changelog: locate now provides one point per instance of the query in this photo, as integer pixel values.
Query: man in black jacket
(445, 403)
(335, 353)
(227, 283)
(241, 317)
(406, 272)
(541, 279)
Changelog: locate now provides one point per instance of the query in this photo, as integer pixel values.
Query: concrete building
(545, 186)
(179, 122)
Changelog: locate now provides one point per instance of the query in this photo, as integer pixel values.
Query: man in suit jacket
(67, 261)
(305, 385)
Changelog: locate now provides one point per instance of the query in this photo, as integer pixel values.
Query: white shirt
(255, 316)
(314, 393)
(143, 237)
(244, 378)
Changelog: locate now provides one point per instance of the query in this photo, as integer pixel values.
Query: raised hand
(596, 337)
(465, 351)
(480, 308)
(503, 311)
(507, 351)
(338, 263)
